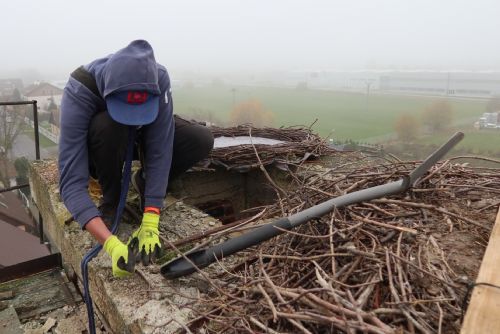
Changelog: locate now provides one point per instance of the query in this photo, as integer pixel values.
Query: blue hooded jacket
(78, 106)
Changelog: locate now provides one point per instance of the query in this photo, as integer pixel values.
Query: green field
(484, 142)
(348, 115)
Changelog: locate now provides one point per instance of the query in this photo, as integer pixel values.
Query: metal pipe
(16, 103)
(37, 137)
(19, 186)
(40, 227)
(202, 258)
(37, 156)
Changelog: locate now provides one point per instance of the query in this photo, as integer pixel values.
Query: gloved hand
(145, 241)
(122, 257)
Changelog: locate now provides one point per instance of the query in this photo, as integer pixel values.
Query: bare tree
(438, 116)
(205, 115)
(253, 112)
(406, 127)
(11, 125)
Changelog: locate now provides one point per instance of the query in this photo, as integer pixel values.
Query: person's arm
(77, 108)
(98, 229)
(158, 146)
(78, 105)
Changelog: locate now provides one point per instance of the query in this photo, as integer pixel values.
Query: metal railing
(37, 155)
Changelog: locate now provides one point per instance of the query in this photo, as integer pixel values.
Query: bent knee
(205, 141)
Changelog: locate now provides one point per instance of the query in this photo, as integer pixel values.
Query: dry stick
(373, 206)
(204, 275)
(308, 316)
(431, 207)
(400, 270)
(475, 157)
(489, 206)
(266, 174)
(357, 310)
(262, 326)
(305, 258)
(373, 222)
(411, 321)
(184, 327)
(307, 236)
(218, 231)
(431, 174)
(233, 226)
(424, 271)
(329, 288)
(349, 269)
(440, 322)
(355, 185)
(360, 285)
(269, 301)
(365, 294)
(314, 301)
(489, 189)
(422, 301)
(280, 298)
(332, 248)
(320, 191)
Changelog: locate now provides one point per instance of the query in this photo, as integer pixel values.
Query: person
(101, 102)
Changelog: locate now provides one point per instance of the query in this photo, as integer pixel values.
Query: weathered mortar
(128, 305)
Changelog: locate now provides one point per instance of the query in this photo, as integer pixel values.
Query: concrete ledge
(143, 303)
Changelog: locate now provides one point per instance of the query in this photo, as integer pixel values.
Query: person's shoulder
(97, 66)
(163, 78)
(162, 71)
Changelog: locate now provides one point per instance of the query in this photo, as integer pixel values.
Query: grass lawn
(44, 141)
(349, 115)
(484, 142)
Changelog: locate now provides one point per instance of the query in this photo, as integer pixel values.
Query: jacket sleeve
(158, 146)
(78, 106)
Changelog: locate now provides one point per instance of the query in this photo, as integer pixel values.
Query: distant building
(465, 84)
(48, 99)
(45, 94)
(55, 118)
(410, 82)
(8, 86)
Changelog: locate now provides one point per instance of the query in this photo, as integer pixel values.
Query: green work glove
(145, 241)
(122, 257)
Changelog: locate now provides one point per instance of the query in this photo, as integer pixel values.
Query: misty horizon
(223, 37)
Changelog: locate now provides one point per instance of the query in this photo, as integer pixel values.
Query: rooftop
(389, 265)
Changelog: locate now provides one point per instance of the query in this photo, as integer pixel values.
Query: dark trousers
(107, 143)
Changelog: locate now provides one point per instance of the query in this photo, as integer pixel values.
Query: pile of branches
(299, 144)
(376, 267)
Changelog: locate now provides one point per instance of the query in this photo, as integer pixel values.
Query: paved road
(24, 146)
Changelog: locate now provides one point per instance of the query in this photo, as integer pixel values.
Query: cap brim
(133, 114)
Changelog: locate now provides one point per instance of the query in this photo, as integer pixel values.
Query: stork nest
(299, 144)
(394, 265)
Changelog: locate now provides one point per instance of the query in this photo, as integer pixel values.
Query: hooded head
(131, 92)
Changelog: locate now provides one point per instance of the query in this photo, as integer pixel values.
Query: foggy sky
(217, 36)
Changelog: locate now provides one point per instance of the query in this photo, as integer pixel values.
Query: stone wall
(143, 303)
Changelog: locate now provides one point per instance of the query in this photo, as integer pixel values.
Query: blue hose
(119, 211)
